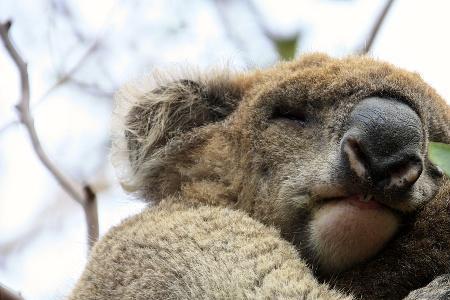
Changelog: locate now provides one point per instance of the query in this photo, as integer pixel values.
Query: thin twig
(239, 43)
(62, 8)
(260, 21)
(27, 119)
(91, 215)
(8, 125)
(69, 74)
(376, 28)
(8, 294)
(68, 77)
(83, 194)
(91, 88)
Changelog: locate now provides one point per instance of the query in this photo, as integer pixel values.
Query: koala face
(332, 152)
(338, 173)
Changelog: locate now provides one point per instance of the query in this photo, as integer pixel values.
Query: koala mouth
(361, 201)
(323, 194)
(348, 229)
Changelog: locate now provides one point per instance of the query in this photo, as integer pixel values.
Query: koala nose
(382, 146)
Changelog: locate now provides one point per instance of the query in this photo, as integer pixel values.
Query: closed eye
(289, 114)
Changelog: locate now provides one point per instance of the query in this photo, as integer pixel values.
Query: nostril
(355, 156)
(404, 174)
(394, 172)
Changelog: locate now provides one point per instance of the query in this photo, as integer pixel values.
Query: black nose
(383, 144)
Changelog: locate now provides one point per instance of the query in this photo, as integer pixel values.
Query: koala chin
(348, 231)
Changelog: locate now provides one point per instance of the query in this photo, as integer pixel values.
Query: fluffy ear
(154, 126)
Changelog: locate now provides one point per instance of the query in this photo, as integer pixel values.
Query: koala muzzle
(382, 147)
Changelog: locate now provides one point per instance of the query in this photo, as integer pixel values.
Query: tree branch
(83, 194)
(8, 125)
(91, 214)
(91, 88)
(8, 294)
(376, 28)
(67, 76)
(260, 21)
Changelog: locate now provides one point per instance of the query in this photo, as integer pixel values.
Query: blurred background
(80, 51)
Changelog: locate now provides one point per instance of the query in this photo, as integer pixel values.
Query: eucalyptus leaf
(286, 47)
(439, 154)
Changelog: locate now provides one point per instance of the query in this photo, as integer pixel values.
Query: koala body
(331, 153)
(179, 252)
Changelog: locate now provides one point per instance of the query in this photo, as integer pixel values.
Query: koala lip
(324, 193)
(357, 200)
(363, 201)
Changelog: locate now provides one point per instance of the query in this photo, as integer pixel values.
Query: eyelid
(292, 114)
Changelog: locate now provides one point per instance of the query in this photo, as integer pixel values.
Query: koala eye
(289, 114)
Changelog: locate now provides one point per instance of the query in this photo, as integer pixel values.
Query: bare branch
(82, 194)
(69, 74)
(221, 7)
(26, 118)
(91, 89)
(8, 294)
(260, 20)
(285, 46)
(91, 214)
(61, 7)
(8, 125)
(376, 28)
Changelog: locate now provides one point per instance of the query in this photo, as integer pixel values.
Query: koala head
(332, 152)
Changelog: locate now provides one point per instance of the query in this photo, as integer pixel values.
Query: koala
(308, 180)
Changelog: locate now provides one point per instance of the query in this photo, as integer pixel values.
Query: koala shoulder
(171, 252)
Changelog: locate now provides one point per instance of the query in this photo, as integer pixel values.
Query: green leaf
(286, 47)
(439, 154)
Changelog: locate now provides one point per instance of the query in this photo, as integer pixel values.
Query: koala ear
(175, 108)
(151, 125)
